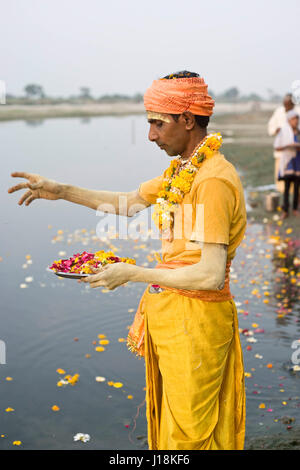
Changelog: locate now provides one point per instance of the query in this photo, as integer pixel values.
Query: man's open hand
(110, 275)
(38, 188)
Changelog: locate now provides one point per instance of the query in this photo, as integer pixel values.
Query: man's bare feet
(296, 213)
(284, 215)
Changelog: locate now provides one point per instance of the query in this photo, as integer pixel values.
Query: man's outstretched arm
(39, 187)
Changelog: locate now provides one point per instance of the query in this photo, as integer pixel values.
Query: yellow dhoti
(194, 373)
(195, 389)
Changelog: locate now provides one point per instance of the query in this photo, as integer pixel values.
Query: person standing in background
(287, 141)
(276, 122)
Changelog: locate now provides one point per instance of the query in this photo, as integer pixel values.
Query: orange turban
(175, 96)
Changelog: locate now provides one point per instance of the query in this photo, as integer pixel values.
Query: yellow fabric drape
(195, 390)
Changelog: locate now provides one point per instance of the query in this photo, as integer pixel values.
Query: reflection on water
(54, 323)
(34, 122)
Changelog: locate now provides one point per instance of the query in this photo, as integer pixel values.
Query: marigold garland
(176, 186)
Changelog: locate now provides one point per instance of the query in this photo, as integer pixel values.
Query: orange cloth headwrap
(175, 96)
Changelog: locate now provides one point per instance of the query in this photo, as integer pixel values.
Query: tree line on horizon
(35, 94)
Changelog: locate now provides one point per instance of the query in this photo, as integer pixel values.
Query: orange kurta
(194, 364)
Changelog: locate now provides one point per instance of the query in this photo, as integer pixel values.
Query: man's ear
(189, 120)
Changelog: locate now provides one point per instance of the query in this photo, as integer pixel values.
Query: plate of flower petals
(81, 264)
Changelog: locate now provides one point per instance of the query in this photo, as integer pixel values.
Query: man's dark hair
(181, 74)
(202, 121)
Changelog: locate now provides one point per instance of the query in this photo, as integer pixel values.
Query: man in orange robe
(186, 325)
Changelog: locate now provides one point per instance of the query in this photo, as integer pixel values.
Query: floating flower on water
(262, 406)
(117, 385)
(101, 336)
(259, 330)
(130, 397)
(100, 379)
(17, 443)
(9, 379)
(269, 366)
(104, 341)
(68, 379)
(62, 382)
(99, 348)
(23, 286)
(72, 380)
(121, 340)
(55, 408)
(29, 279)
(8, 410)
(81, 437)
(251, 340)
(60, 371)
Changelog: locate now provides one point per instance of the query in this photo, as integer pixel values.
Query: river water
(48, 323)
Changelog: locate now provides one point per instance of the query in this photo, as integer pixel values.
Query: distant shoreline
(32, 112)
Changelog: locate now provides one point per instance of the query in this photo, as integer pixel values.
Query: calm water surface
(52, 323)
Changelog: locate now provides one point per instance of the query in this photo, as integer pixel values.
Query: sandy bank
(21, 112)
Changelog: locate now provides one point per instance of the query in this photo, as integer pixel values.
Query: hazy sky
(121, 46)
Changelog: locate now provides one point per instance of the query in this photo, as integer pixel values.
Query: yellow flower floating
(68, 379)
(115, 384)
(175, 186)
(104, 341)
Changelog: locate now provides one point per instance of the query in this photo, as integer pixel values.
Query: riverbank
(30, 112)
(281, 441)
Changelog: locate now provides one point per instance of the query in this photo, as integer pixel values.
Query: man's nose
(152, 135)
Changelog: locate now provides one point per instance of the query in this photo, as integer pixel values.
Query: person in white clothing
(287, 141)
(276, 122)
